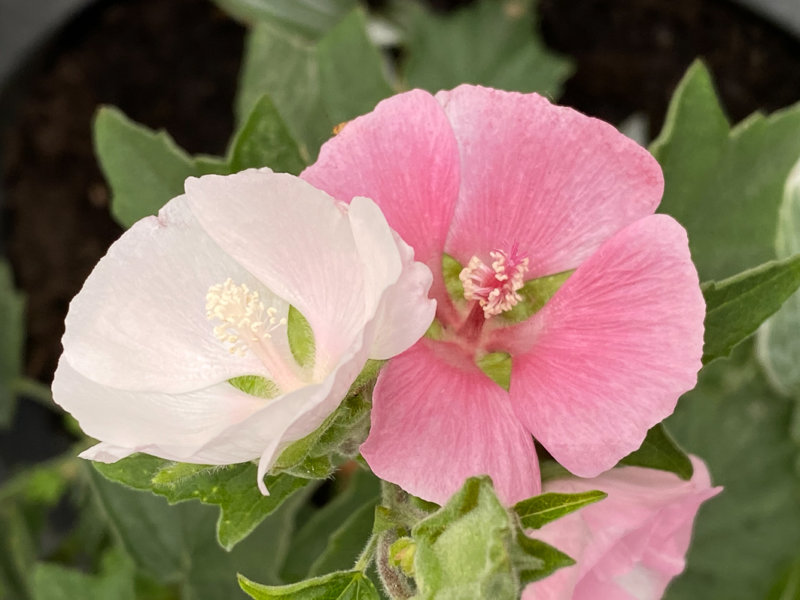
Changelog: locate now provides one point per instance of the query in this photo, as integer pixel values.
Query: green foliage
(310, 18)
(175, 544)
(332, 537)
(659, 451)
(490, 42)
(232, 488)
(736, 306)
(263, 140)
(741, 428)
(318, 454)
(312, 82)
(301, 338)
(344, 585)
(535, 294)
(472, 548)
(778, 342)
(144, 169)
(540, 510)
(718, 183)
(12, 323)
(116, 581)
(787, 587)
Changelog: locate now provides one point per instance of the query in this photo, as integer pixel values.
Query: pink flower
(628, 546)
(186, 302)
(517, 189)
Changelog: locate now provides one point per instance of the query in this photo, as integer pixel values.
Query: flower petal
(397, 286)
(609, 355)
(303, 250)
(402, 155)
(437, 420)
(139, 323)
(553, 181)
(629, 545)
(172, 426)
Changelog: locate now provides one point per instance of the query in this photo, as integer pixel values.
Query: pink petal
(303, 250)
(548, 178)
(402, 155)
(436, 420)
(628, 546)
(609, 355)
(139, 323)
(396, 287)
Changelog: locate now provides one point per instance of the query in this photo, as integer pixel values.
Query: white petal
(139, 322)
(297, 241)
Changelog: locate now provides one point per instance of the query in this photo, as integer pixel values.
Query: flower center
(243, 320)
(245, 324)
(495, 287)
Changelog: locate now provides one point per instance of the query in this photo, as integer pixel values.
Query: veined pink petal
(402, 155)
(436, 422)
(545, 177)
(628, 546)
(140, 321)
(301, 249)
(609, 355)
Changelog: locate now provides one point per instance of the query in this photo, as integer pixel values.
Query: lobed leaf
(310, 18)
(344, 585)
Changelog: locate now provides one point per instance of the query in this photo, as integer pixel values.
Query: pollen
(241, 317)
(495, 287)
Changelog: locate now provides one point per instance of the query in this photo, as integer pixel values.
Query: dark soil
(174, 65)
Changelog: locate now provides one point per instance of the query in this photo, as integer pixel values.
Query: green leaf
(144, 169)
(351, 70)
(659, 451)
(741, 429)
(777, 343)
(284, 65)
(301, 338)
(490, 43)
(338, 438)
(55, 582)
(256, 385)
(310, 18)
(345, 585)
(322, 544)
(232, 488)
(736, 306)
(314, 84)
(176, 544)
(471, 548)
(451, 269)
(263, 140)
(540, 510)
(787, 587)
(18, 551)
(724, 185)
(12, 326)
(497, 367)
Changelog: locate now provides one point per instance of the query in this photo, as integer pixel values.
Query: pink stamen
(495, 287)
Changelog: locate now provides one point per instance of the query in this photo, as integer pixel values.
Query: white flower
(186, 301)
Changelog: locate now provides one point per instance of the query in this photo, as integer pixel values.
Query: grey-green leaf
(144, 168)
(263, 140)
(12, 326)
(311, 18)
(343, 585)
(736, 306)
(232, 488)
(351, 70)
(534, 559)
(660, 451)
(540, 510)
(724, 185)
(777, 343)
(490, 43)
(116, 581)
